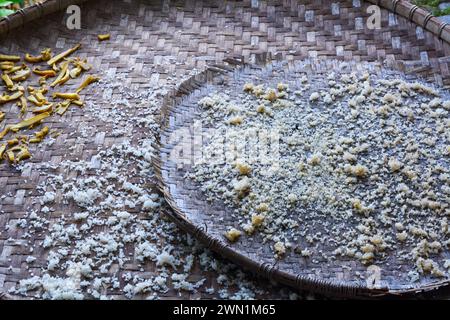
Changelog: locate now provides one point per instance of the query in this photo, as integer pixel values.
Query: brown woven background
(195, 34)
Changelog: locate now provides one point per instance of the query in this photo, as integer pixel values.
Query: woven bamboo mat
(158, 44)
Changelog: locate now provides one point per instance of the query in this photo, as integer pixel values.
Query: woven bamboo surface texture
(154, 46)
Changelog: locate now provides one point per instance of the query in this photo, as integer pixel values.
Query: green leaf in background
(5, 3)
(5, 12)
(2, 2)
(433, 6)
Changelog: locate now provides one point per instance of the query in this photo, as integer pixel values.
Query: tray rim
(412, 12)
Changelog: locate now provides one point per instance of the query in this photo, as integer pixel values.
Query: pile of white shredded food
(103, 232)
(362, 167)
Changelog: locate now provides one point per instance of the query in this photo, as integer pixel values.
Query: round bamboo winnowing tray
(185, 136)
(210, 219)
(195, 34)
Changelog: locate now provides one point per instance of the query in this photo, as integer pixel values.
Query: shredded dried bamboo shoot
(81, 63)
(44, 73)
(103, 37)
(61, 68)
(23, 106)
(7, 80)
(10, 155)
(78, 103)
(65, 78)
(35, 101)
(2, 150)
(62, 74)
(12, 142)
(62, 55)
(35, 140)
(23, 154)
(5, 131)
(75, 72)
(29, 122)
(4, 57)
(43, 89)
(33, 59)
(89, 79)
(40, 135)
(15, 69)
(62, 107)
(6, 65)
(8, 98)
(46, 54)
(21, 75)
(44, 108)
(39, 96)
(66, 96)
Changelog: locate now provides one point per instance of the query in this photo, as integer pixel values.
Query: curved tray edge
(26, 15)
(320, 286)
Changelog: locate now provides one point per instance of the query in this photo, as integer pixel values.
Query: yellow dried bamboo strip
(62, 55)
(29, 122)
